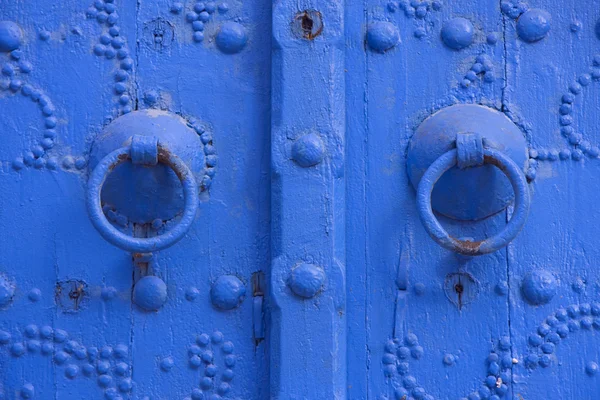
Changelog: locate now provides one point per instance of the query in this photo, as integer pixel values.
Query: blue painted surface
(81, 67)
(304, 270)
(458, 33)
(471, 246)
(162, 154)
(467, 194)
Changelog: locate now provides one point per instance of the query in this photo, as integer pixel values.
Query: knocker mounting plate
(140, 192)
(469, 194)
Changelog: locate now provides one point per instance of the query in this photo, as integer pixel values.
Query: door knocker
(466, 162)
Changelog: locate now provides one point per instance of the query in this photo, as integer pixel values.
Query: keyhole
(75, 295)
(159, 34)
(461, 288)
(307, 24)
(71, 295)
(158, 37)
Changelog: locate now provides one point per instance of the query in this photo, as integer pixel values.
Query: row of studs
(458, 33)
(113, 47)
(494, 386)
(199, 354)
(542, 346)
(580, 148)
(87, 359)
(226, 293)
(557, 327)
(231, 37)
(12, 82)
(108, 359)
(200, 15)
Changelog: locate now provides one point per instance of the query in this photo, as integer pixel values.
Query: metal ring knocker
(149, 152)
(455, 157)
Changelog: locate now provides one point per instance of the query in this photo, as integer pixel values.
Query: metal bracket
(144, 150)
(469, 148)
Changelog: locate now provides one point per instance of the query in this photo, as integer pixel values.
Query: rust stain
(468, 247)
(459, 289)
(120, 160)
(165, 157)
(307, 24)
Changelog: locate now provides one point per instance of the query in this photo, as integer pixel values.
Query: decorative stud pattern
(396, 367)
(419, 11)
(107, 365)
(557, 327)
(215, 356)
(513, 8)
(210, 153)
(580, 147)
(197, 17)
(532, 24)
(541, 346)
(13, 80)
(112, 46)
(231, 37)
(482, 68)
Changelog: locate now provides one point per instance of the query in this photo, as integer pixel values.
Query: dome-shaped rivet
(167, 364)
(534, 25)
(449, 359)
(231, 38)
(27, 391)
(227, 292)
(10, 36)
(308, 150)
(150, 293)
(539, 287)
(306, 280)
(382, 36)
(591, 368)
(458, 33)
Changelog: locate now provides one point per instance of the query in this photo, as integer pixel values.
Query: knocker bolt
(469, 150)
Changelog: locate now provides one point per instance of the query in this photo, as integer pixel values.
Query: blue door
(389, 200)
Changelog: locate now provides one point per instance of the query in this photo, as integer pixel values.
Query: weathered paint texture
(241, 199)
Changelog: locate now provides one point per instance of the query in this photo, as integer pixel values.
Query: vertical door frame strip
(307, 327)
